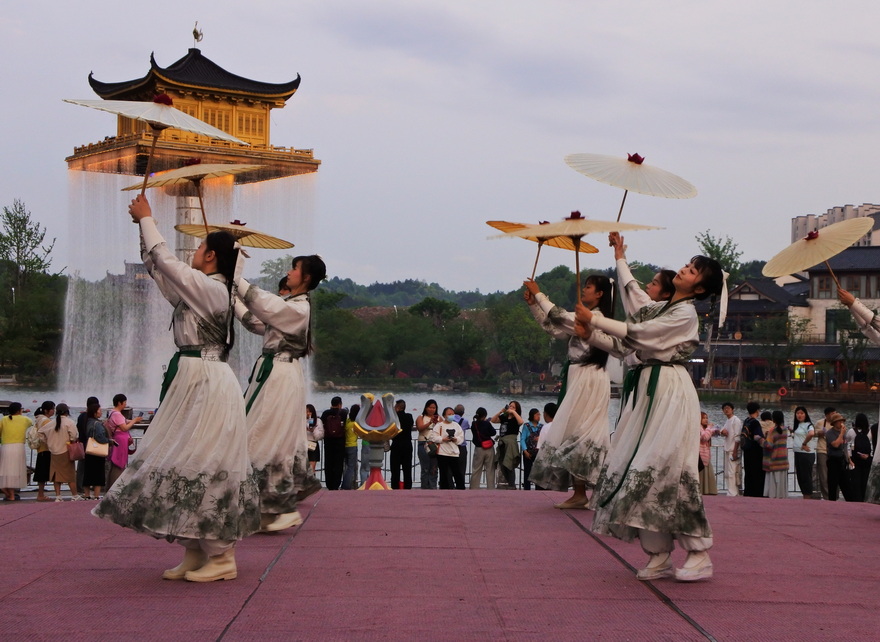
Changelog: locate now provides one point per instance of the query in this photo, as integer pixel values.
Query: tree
(780, 337)
(439, 312)
(725, 251)
(21, 243)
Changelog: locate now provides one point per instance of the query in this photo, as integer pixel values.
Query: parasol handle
(198, 183)
(150, 159)
(833, 275)
(535, 268)
(577, 264)
(625, 192)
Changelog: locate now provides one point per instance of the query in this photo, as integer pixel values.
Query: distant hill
(399, 293)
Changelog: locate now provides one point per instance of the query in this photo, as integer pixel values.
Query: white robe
(650, 479)
(869, 324)
(574, 446)
(276, 403)
(191, 477)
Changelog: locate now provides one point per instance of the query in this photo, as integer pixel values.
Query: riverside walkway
(446, 565)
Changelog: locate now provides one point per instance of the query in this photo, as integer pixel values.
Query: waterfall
(116, 328)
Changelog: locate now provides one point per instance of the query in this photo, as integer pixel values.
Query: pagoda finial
(197, 34)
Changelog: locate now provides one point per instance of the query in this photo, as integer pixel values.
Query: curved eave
(290, 88)
(109, 90)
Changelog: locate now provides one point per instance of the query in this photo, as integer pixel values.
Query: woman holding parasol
(191, 480)
(573, 449)
(277, 431)
(649, 486)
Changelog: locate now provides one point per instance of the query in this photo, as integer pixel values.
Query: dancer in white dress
(277, 439)
(191, 479)
(869, 324)
(574, 447)
(650, 486)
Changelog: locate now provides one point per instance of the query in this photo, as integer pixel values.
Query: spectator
(119, 431)
(57, 434)
(838, 464)
(94, 479)
(428, 463)
(528, 443)
(314, 434)
(43, 465)
(731, 431)
(484, 451)
(707, 474)
(775, 445)
(350, 469)
(402, 448)
(82, 429)
(448, 435)
(753, 471)
(333, 420)
(861, 458)
(510, 418)
(802, 434)
(13, 466)
(822, 452)
(462, 447)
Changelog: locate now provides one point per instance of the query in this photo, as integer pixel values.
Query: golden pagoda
(201, 88)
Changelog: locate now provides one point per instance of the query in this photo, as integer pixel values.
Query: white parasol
(194, 174)
(817, 247)
(574, 227)
(158, 114)
(245, 235)
(631, 175)
(562, 242)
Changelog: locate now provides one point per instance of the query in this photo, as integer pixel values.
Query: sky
(432, 118)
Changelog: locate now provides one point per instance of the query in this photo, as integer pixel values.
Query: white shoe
(698, 570)
(219, 567)
(282, 522)
(659, 566)
(58, 500)
(193, 559)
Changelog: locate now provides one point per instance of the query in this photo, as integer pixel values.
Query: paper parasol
(195, 174)
(631, 175)
(245, 235)
(159, 114)
(562, 242)
(574, 227)
(817, 247)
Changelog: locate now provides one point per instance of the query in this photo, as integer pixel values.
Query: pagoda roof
(852, 259)
(193, 71)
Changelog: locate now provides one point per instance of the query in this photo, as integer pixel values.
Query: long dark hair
(606, 306)
(711, 278)
(312, 266)
(428, 403)
(779, 420)
(223, 245)
(796, 423)
(861, 422)
(61, 410)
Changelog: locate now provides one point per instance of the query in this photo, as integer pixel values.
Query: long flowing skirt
(872, 492)
(277, 439)
(577, 442)
(191, 477)
(650, 479)
(13, 467)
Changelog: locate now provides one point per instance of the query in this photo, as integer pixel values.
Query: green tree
(725, 251)
(21, 243)
(439, 312)
(780, 337)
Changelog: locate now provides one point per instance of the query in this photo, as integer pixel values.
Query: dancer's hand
(846, 297)
(139, 208)
(532, 286)
(615, 240)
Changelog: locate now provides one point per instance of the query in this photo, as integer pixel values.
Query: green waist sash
(173, 365)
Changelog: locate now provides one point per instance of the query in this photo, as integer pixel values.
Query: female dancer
(869, 324)
(649, 486)
(576, 443)
(277, 438)
(191, 479)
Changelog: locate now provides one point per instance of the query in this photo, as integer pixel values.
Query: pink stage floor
(446, 565)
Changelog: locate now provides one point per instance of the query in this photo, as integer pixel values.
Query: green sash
(171, 372)
(262, 374)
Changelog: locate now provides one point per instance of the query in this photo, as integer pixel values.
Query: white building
(803, 225)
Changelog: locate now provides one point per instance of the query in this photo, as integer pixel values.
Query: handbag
(432, 448)
(93, 447)
(75, 451)
(487, 443)
(132, 447)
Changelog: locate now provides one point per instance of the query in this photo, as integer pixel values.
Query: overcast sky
(432, 117)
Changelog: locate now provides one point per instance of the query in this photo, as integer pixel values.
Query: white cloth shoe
(659, 566)
(696, 567)
(219, 567)
(282, 522)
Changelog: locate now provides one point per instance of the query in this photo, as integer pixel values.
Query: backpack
(747, 436)
(33, 438)
(333, 427)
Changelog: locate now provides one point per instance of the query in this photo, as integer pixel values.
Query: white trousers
(732, 474)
